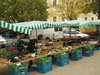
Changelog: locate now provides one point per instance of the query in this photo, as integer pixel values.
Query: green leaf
(23, 10)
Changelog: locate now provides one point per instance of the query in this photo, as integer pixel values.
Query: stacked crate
(30, 66)
(76, 54)
(7, 47)
(62, 59)
(44, 64)
(19, 69)
(97, 47)
(88, 51)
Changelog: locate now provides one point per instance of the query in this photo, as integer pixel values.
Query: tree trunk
(98, 15)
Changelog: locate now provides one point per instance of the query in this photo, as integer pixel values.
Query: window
(92, 18)
(63, 19)
(63, 2)
(54, 19)
(86, 18)
(58, 29)
(54, 2)
(74, 32)
(66, 32)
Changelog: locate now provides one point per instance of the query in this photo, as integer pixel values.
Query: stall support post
(70, 32)
(99, 31)
(36, 34)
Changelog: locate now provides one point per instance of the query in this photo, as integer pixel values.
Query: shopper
(31, 49)
(19, 44)
(31, 46)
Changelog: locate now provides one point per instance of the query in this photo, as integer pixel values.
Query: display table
(4, 69)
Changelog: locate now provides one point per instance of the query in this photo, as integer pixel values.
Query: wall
(53, 11)
(89, 17)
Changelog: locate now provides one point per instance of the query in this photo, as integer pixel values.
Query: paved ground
(86, 66)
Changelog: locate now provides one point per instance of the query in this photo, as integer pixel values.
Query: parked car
(2, 40)
(75, 34)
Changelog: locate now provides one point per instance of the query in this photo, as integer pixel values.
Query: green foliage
(23, 10)
(95, 7)
(14, 52)
(71, 9)
(44, 60)
(61, 55)
(3, 52)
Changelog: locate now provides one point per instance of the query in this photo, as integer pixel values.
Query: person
(31, 46)
(70, 43)
(19, 44)
(31, 49)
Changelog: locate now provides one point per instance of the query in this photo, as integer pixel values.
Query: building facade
(89, 16)
(55, 16)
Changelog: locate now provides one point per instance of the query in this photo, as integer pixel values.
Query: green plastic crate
(44, 60)
(77, 50)
(16, 68)
(89, 47)
(61, 55)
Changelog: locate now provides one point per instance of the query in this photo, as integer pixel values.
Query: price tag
(18, 64)
(23, 73)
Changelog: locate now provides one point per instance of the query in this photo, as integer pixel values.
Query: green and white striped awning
(83, 23)
(32, 25)
(61, 24)
(44, 24)
(27, 27)
(15, 28)
(96, 22)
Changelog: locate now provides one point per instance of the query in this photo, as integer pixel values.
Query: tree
(95, 7)
(70, 9)
(23, 10)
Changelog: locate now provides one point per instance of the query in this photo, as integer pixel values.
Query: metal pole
(36, 34)
(70, 32)
(98, 31)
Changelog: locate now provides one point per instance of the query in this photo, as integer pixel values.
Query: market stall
(46, 47)
(15, 28)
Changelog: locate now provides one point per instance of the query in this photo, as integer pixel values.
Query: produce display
(61, 55)
(11, 55)
(77, 50)
(89, 47)
(4, 61)
(44, 60)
